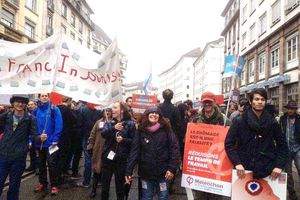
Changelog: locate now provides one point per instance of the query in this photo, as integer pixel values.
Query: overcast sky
(158, 32)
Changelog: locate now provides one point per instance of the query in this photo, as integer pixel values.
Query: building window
(244, 14)
(49, 21)
(63, 29)
(292, 49)
(276, 11)
(187, 87)
(263, 23)
(275, 96)
(252, 6)
(29, 29)
(7, 18)
(229, 39)
(80, 41)
(187, 95)
(251, 68)
(275, 58)
(64, 10)
(233, 34)
(261, 63)
(31, 4)
(243, 75)
(73, 35)
(244, 37)
(80, 26)
(252, 33)
(73, 19)
(292, 92)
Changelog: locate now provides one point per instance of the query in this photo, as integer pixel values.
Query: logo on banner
(253, 187)
(189, 180)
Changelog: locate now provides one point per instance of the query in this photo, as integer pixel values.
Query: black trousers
(51, 160)
(75, 154)
(108, 170)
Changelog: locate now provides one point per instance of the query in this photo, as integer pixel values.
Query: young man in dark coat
(290, 126)
(15, 130)
(255, 141)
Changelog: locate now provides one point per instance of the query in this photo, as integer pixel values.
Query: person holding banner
(14, 136)
(155, 148)
(49, 121)
(210, 114)
(118, 134)
(255, 141)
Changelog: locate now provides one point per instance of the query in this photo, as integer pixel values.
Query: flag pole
(231, 90)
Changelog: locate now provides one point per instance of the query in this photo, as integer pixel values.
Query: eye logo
(253, 187)
(189, 180)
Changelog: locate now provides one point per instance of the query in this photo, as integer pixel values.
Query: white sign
(61, 65)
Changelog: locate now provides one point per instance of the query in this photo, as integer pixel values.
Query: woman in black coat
(155, 149)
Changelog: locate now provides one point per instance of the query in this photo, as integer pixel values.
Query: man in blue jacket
(15, 129)
(49, 121)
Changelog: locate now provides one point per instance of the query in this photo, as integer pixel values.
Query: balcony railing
(13, 3)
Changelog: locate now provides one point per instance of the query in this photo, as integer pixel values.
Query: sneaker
(82, 185)
(75, 177)
(39, 188)
(54, 191)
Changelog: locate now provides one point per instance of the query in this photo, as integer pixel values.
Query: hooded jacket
(156, 153)
(54, 124)
(256, 143)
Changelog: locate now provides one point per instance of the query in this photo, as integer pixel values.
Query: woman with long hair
(95, 148)
(118, 134)
(155, 149)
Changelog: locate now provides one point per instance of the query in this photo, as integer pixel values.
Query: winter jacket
(256, 143)
(68, 122)
(87, 119)
(172, 113)
(54, 124)
(217, 118)
(121, 149)
(13, 144)
(283, 124)
(96, 144)
(156, 153)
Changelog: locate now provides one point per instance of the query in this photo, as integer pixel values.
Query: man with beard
(290, 125)
(210, 114)
(255, 141)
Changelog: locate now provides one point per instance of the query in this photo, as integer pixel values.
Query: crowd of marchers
(148, 147)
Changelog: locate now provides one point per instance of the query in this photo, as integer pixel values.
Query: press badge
(101, 124)
(111, 155)
(163, 187)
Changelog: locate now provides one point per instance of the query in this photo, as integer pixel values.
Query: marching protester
(129, 104)
(31, 147)
(242, 102)
(118, 134)
(95, 148)
(65, 137)
(76, 143)
(88, 116)
(155, 149)
(49, 121)
(192, 113)
(255, 141)
(290, 125)
(183, 110)
(15, 130)
(210, 114)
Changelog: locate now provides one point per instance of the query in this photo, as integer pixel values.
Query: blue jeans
(15, 170)
(87, 174)
(160, 185)
(290, 183)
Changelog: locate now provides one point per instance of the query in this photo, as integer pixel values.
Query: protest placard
(261, 189)
(142, 102)
(206, 166)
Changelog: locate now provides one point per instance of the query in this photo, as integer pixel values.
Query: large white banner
(61, 65)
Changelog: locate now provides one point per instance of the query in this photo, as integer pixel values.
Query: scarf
(153, 128)
(260, 126)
